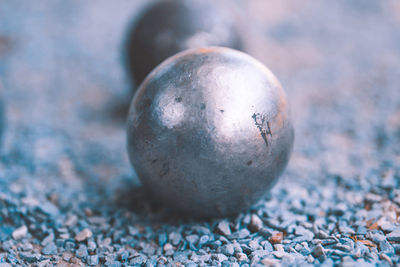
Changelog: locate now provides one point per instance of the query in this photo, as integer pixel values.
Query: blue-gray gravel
(68, 194)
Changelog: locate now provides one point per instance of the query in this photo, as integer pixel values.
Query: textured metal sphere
(209, 132)
(171, 26)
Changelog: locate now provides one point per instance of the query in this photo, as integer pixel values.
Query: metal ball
(209, 132)
(171, 26)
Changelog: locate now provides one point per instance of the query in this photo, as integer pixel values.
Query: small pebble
(279, 251)
(318, 251)
(228, 249)
(193, 239)
(223, 228)
(243, 233)
(92, 245)
(203, 239)
(167, 247)
(20, 232)
(82, 251)
(270, 262)
(47, 239)
(83, 235)
(93, 260)
(254, 245)
(241, 257)
(394, 236)
(386, 258)
(220, 257)
(50, 249)
(175, 238)
(276, 238)
(255, 223)
(257, 255)
(346, 230)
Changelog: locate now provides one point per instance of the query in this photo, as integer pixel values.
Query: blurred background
(63, 83)
(62, 74)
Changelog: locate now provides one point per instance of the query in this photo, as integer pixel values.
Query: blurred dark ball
(209, 132)
(170, 26)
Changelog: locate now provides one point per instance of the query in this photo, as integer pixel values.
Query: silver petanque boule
(209, 132)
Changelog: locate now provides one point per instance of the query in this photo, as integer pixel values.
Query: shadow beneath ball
(136, 199)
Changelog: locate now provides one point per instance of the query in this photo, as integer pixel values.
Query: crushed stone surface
(69, 197)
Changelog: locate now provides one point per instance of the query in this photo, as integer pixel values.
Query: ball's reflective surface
(209, 132)
(171, 26)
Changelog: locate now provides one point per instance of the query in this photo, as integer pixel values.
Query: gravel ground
(69, 197)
